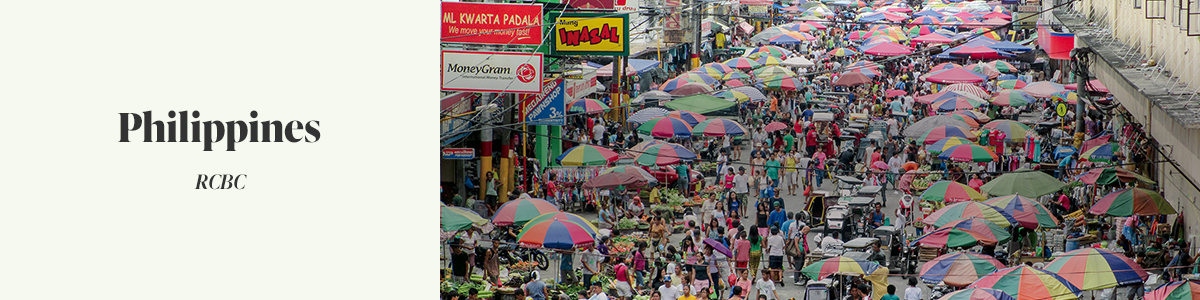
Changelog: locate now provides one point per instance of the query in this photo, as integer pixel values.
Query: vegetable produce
(626, 223)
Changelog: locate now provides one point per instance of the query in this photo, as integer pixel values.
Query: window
(1156, 9)
(1193, 18)
(1137, 4)
(1184, 9)
(1173, 12)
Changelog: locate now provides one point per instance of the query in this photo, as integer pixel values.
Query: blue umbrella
(1063, 151)
(1006, 77)
(1009, 46)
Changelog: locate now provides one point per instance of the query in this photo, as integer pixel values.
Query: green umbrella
(1024, 182)
(700, 103)
(459, 218)
(1134, 201)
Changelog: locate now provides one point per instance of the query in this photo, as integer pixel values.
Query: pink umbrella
(691, 88)
(998, 15)
(996, 22)
(1043, 89)
(888, 49)
(879, 165)
(933, 38)
(852, 79)
(775, 126)
(969, 89)
(956, 75)
(894, 93)
(980, 52)
(1094, 83)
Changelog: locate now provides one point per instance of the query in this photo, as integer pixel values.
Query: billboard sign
(458, 153)
(590, 4)
(577, 88)
(496, 72)
(546, 108)
(487, 23)
(591, 34)
(627, 6)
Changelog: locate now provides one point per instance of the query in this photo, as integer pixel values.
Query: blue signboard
(458, 153)
(546, 108)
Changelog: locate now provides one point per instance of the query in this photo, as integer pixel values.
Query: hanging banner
(487, 23)
(591, 34)
(674, 19)
(497, 72)
(577, 88)
(545, 108)
(627, 6)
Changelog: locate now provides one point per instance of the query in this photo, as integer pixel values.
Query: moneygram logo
(526, 73)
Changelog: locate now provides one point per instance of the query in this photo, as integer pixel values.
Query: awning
(1057, 45)
(632, 67)
(746, 27)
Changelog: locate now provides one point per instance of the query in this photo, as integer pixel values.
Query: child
(891, 289)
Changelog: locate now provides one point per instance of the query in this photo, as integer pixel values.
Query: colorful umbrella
(985, 69)
(941, 132)
(675, 83)
(772, 71)
(698, 77)
(459, 218)
(956, 75)
(591, 229)
(871, 73)
(641, 147)
(586, 155)
(1179, 290)
(922, 127)
(786, 39)
(1111, 175)
(1011, 84)
(978, 116)
(842, 52)
(586, 105)
(925, 21)
(950, 191)
(614, 180)
(969, 209)
(783, 83)
(768, 60)
(985, 227)
(775, 126)
(555, 234)
(852, 79)
(888, 49)
(977, 294)
(1094, 269)
(798, 61)
(1069, 97)
(971, 89)
(1102, 153)
(632, 170)
(665, 154)
(968, 153)
(718, 66)
(690, 117)
(1043, 89)
(953, 238)
(945, 66)
(958, 268)
(1014, 131)
(742, 63)
(1132, 201)
(1022, 182)
(857, 35)
(871, 271)
(1003, 66)
(718, 127)
(896, 93)
(742, 94)
(1009, 97)
(518, 212)
(644, 115)
(1029, 283)
(946, 143)
(735, 75)
(771, 50)
(988, 33)
(710, 71)
(817, 25)
(932, 38)
(970, 120)
(691, 88)
(718, 247)
(1029, 213)
(957, 103)
(666, 127)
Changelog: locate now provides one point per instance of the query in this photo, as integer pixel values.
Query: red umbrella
(932, 38)
(775, 126)
(614, 179)
(852, 79)
(957, 75)
(888, 49)
(894, 93)
(691, 88)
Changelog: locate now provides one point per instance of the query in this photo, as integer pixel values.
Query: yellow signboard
(591, 34)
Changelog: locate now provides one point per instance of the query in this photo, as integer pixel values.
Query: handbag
(792, 249)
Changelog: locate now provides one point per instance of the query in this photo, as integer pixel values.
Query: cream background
(349, 217)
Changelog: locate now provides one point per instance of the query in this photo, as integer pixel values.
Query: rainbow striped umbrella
(699, 77)
(985, 69)
(1069, 97)
(981, 226)
(555, 234)
(953, 238)
(1042, 89)
(950, 191)
(518, 212)
(710, 71)
(784, 83)
(1029, 283)
(1111, 175)
(772, 71)
(769, 61)
(785, 39)
(690, 117)
(1010, 84)
(842, 52)
(1094, 269)
(977, 294)
(941, 132)
(665, 154)
(802, 27)
(946, 143)
(459, 218)
(675, 83)
(871, 271)
(985, 32)
(925, 21)
(666, 127)
(957, 103)
(742, 63)
(958, 268)
(858, 35)
(1010, 97)
(1014, 131)
(969, 209)
(1132, 201)
(920, 30)
(742, 94)
(641, 147)
(718, 66)
(817, 25)
(1029, 213)
(735, 83)
(1179, 290)
(968, 153)
(772, 51)
(1003, 66)
(969, 120)
(586, 105)
(591, 229)
(736, 74)
(718, 127)
(586, 155)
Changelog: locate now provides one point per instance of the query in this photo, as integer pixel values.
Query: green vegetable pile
(627, 223)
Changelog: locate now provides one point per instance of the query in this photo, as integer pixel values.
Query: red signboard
(486, 23)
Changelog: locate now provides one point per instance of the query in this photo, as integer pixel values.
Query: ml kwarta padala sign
(590, 34)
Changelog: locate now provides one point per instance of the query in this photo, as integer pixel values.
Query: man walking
(741, 187)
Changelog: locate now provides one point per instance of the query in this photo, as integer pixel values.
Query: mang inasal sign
(486, 23)
(591, 34)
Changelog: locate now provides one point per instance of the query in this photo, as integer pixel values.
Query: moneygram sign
(497, 72)
(484, 23)
(546, 108)
(591, 34)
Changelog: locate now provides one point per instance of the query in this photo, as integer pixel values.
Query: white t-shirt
(741, 183)
(598, 132)
(765, 287)
(591, 258)
(672, 292)
(775, 245)
(912, 293)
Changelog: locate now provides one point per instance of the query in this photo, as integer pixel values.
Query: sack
(792, 249)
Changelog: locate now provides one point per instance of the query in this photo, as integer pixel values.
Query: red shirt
(622, 274)
(812, 138)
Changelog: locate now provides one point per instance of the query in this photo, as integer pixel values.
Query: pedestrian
(913, 292)
(591, 263)
(766, 287)
(775, 255)
(490, 193)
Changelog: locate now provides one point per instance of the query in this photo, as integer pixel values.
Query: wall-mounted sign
(674, 19)
(577, 88)
(486, 23)
(591, 34)
(458, 153)
(590, 4)
(497, 72)
(627, 6)
(546, 108)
